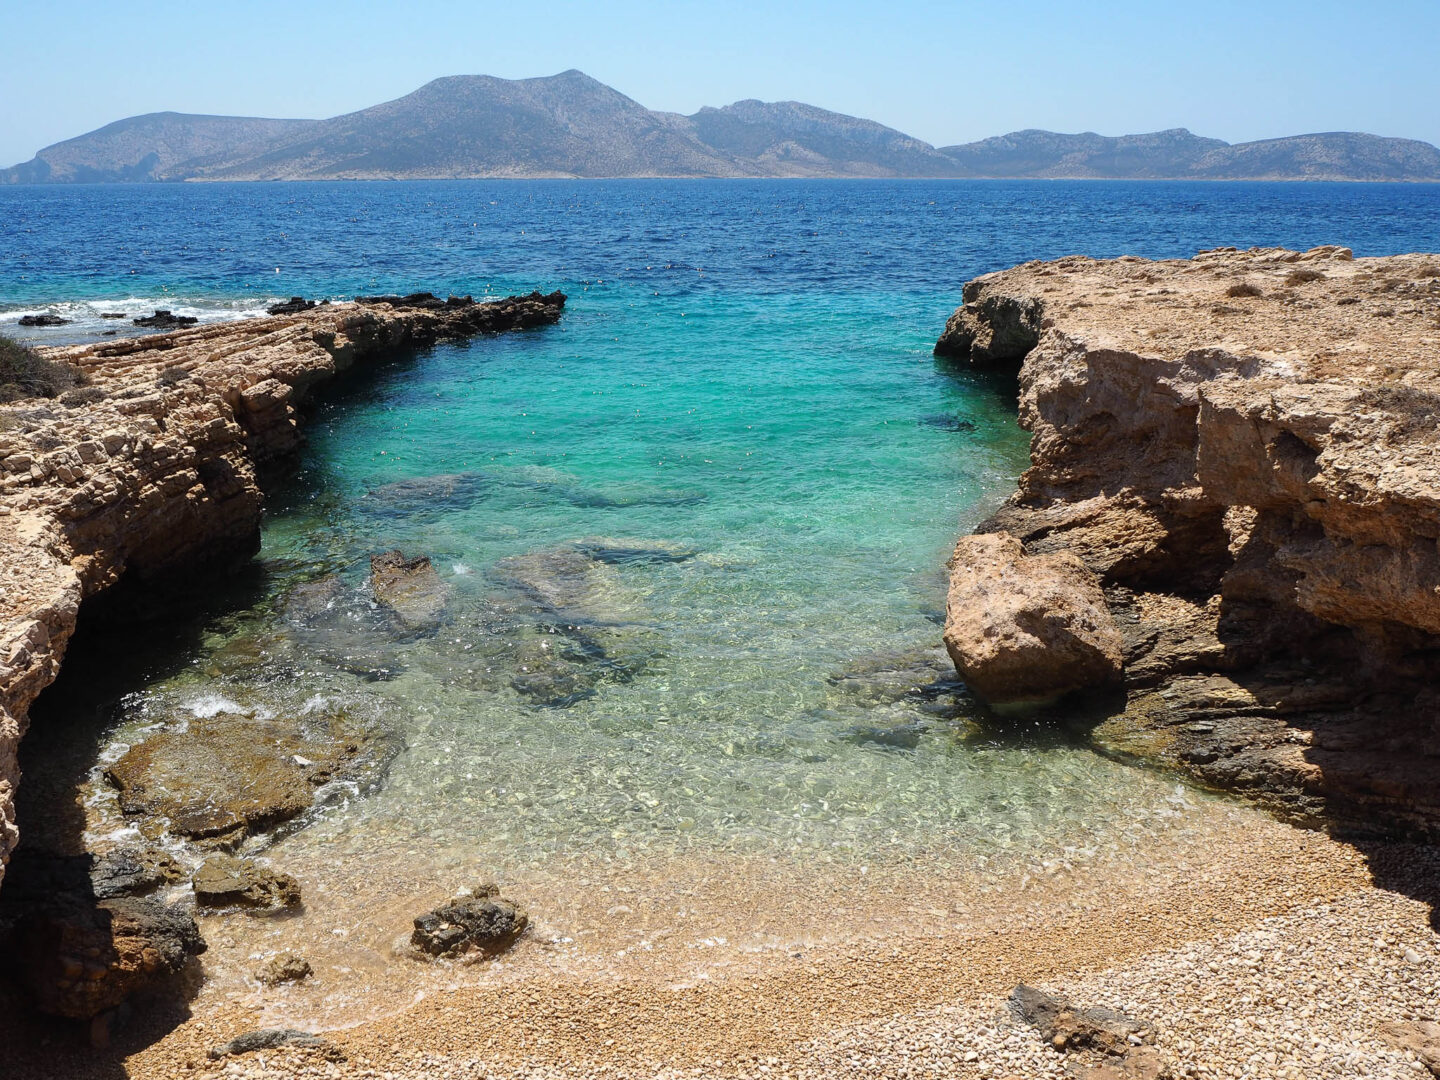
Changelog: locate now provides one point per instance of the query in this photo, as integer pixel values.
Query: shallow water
(692, 537)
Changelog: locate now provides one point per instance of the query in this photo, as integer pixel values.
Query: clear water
(742, 377)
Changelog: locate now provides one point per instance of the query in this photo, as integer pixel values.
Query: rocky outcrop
(153, 476)
(1027, 629)
(482, 922)
(1243, 449)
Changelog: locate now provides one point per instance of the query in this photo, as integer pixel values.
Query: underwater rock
(225, 777)
(410, 588)
(1027, 629)
(621, 552)
(482, 921)
(282, 968)
(225, 881)
(164, 320)
(447, 491)
(926, 674)
(566, 582)
(79, 957)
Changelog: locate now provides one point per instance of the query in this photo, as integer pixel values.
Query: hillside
(570, 125)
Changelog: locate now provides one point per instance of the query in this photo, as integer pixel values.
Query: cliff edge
(148, 473)
(1243, 449)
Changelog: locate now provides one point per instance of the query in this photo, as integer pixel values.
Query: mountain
(572, 125)
(1179, 155)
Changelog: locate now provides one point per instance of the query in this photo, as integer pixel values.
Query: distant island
(570, 125)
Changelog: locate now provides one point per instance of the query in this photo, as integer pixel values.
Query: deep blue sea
(734, 469)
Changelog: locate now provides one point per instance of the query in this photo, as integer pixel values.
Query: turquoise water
(692, 537)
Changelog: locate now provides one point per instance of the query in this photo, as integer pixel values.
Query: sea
(693, 539)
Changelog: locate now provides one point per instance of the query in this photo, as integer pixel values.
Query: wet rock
(410, 588)
(133, 872)
(113, 315)
(43, 320)
(566, 583)
(293, 306)
(1066, 1026)
(164, 320)
(222, 778)
(1027, 629)
(551, 671)
(286, 967)
(344, 627)
(920, 675)
(36, 877)
(225, 881)
(80, 957)
(273, 1039)
(482, 922)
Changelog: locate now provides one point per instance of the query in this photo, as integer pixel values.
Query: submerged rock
(283, 968)
(410, 588)
(164, 320)
(225, 777)
(448, 491)
(225, 881)
(481, 922)
(621, 552)
(1027, 629)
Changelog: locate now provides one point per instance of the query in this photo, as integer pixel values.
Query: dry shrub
(24, 373)
(1303, 277)
(1244, 288)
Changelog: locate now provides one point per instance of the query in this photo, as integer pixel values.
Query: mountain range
(570, 125)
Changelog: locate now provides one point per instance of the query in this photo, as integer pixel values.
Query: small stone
(284, 967)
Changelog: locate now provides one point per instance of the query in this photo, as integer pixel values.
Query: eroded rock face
(155, 479)
(481, 922)
(219, 779)
(1026, 629)
(1243, 449)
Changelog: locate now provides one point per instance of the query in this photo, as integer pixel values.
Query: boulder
(992, 326)
(42, 320)
(293, 306)
(283, 968)
(79, 958)
(164, 320)
(1027, 629)
(410, 588)
(219, 779)
(225, 881)
(482, 922)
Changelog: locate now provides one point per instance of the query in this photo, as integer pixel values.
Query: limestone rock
(1027, 629)
(222, 778)
(1246, 457)
(79, 958)
(225, 881)
(1419, 1037)
(283, 968)
(273, 1039)
(481, 922)
(155, 482)
(410, 588)
(1066, 1026)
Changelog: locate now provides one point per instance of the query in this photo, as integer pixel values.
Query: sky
(944, 72)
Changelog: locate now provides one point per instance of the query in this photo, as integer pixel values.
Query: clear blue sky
(945, 72)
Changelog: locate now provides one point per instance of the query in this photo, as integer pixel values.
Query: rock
(618, 552)
(293, 306)
(1067, 1027)
(161, 489)
(448, 491)
(1027, 629)
(225, 881)
(273, 1039)
(1256, 499)
(133, 872)
(994, 325)
(37, 877)
(1419, 1037)
(79, 958)
(43, 320)
(225, 777)
(113, 315)
(164, 320)
(481, 922)
(410, 588)
(286, 967)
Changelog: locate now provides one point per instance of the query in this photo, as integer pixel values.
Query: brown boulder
(482, 922)
(1027, 629)
(282, 968)
(410, 588)
(225, 881)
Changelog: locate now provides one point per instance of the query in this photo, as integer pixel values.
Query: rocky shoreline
(1240, 455)
(150, 475)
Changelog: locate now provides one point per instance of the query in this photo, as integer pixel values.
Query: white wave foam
(208, 705)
